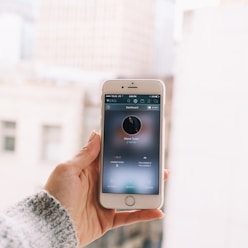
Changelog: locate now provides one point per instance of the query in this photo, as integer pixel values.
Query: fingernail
(93, 134)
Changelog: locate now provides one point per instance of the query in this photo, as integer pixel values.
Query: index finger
(87, 154)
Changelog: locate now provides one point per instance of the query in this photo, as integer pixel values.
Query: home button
(130, 201)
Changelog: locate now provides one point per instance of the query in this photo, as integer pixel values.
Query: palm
(97, 220)
(79, 197)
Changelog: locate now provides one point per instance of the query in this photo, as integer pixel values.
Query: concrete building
(17, 30)
(46, 116)
(106, 35)
(40, 125)
(207, 190)
(164, 37)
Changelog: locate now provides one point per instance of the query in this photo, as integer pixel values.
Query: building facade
(17, 20)
(106, 35)
(40, 125)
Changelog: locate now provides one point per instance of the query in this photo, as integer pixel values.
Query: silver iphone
(132, 148)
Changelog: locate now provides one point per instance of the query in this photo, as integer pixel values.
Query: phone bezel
(135, 86)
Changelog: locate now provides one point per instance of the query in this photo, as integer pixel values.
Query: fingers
(88, 153)
(125, 218)
(166, 174)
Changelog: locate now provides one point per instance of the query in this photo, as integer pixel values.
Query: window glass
(8, 129)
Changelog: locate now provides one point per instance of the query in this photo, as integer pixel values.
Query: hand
(75, 185)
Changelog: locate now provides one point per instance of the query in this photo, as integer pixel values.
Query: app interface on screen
(131, 144)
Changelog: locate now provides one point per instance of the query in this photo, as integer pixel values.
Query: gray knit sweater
(37, 221)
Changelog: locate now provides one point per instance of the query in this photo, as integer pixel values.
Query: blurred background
(54, 57)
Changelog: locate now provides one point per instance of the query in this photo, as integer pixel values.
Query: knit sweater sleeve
(37, 221)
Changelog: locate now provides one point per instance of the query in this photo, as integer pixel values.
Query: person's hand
(75, 184)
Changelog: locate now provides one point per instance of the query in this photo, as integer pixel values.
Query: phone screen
(131, 144)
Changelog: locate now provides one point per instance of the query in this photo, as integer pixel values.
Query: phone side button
(130, 201)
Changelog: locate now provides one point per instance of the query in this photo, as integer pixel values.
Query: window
(51, 145)
(8, 129)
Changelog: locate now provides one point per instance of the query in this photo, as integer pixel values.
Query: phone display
(131, 146)
(131, 169)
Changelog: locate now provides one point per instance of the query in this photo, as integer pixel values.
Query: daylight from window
(55, 56)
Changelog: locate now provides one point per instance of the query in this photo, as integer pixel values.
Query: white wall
(207, 198)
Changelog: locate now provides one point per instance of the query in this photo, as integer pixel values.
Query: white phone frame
(135, 86)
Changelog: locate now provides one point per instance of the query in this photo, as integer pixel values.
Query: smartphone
(132, 144)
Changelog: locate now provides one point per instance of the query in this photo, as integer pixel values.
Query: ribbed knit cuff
(42, 222)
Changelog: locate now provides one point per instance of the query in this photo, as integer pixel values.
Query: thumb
(88, 153)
